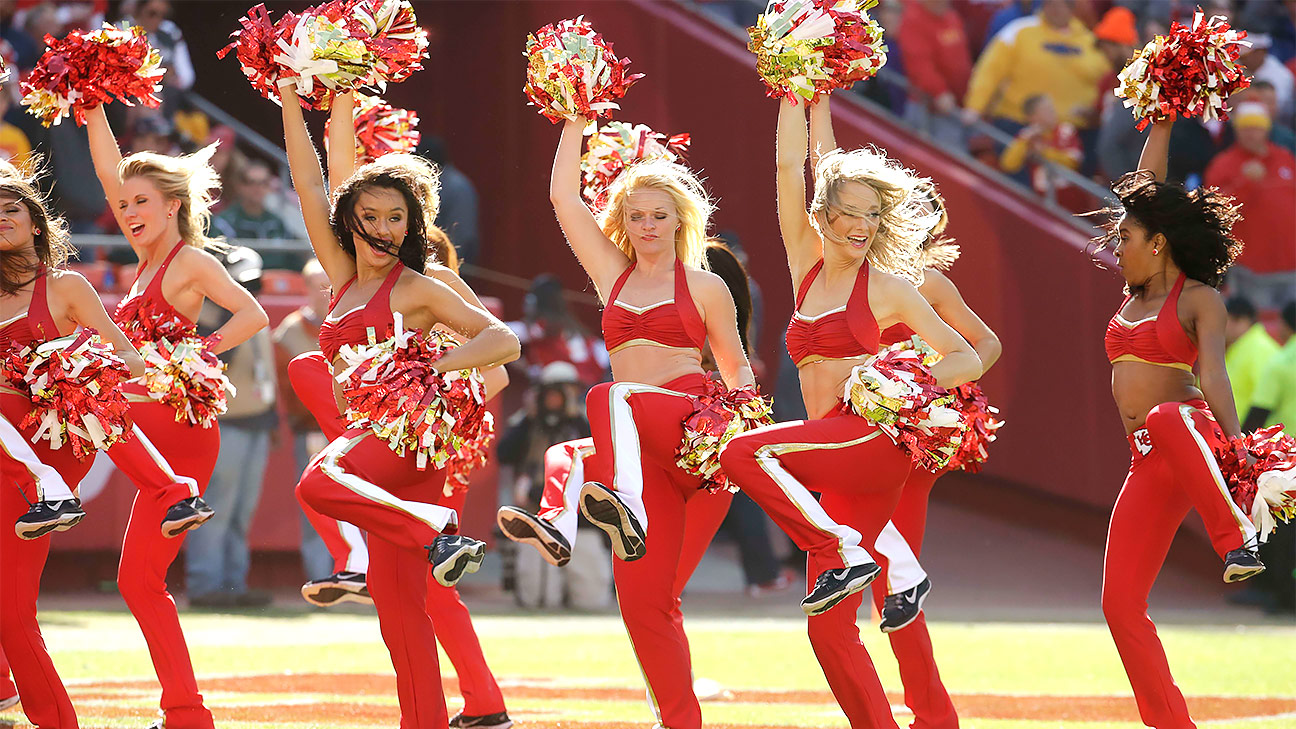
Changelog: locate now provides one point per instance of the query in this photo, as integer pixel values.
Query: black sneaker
(902, 608)
(337, 588)
(489, 721)
(605, 510)
(1242, 563)
(454, 555)
(49, 516)
(833, 586)
(184, 515)
(526, 528)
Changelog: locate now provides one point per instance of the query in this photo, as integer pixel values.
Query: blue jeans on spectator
(217, 553)
(317, 563)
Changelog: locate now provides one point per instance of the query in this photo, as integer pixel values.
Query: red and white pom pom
(392, 388)
(895, 390)
(981, 427)
(256, 44)
(86, 69)
(393, 35)
(380, 129)
(75, 385)
(1266, 489)
(719, 415)
(187, 376)
(572, 72)
(809, 47)
(1190, 73)
(471, 456)
(614, 146)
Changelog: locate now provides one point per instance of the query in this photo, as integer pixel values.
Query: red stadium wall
(1023, 269)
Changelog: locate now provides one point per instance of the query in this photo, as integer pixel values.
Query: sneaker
(526, 528)
(833, 586)
(489, 721)
(1241, 564)
(49, 516)
(605, 510)
(9, 702)
(903, 608)
(453, 555)
(338, 588)
(184, 515)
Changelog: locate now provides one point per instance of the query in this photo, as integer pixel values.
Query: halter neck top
(671, 323)
(35, 325)
(1159, 340)
(354, 326)
(842, 333)
(149, 317)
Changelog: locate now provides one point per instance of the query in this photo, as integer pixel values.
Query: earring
(170, 215)
(36, 231)
(1156, 251)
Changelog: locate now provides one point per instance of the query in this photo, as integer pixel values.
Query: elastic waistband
(693, 383)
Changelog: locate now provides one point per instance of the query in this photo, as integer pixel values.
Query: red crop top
(671, 323)
(896, 333)
(149, 317)
(843, 333)
(34, 325)
(1159, 340)
(353, 327)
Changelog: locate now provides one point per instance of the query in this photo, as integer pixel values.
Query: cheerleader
(162, 205)
(372, 244)
(853, 260)
(1172, 247)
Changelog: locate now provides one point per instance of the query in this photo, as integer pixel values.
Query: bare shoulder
(66, 283)
(889, 283)
(936, 286)
(198, 259)
(705, 283)
(1201, 296)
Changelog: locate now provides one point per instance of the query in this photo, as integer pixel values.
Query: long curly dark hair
(416, 180)
(53, 243)
(1197, 224)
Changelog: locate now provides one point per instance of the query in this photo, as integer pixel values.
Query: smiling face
(1138, 254)
(17, 230)
(383, 215)
(145, 212)
(651, 220)
(853, 218)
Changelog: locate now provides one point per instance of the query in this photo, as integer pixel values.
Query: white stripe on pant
(903, 570)
(49, 484)
(627, 457)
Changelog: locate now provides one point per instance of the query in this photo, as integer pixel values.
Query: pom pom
(618, 144)
(981, 427)
(380, 129)
(392, 388)
(718, 416)
(146, 319)
(809, 47)
(75, 385)
(896, 391)
(187, 376)
(471, 456)
(4, 70)
(1191, 72)
(393, 36)
(1265, 489)
(325, 55)
(87, 69)
(572, 72)
(256, 44)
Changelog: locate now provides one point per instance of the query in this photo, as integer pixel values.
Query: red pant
(860, 474)
(1172, 470)
(146, 555)
(45, 700)
(924, 693)
(7, 687)
(683, 521)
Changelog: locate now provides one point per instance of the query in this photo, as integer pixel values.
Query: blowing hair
(897, 246)
(53, 245)
(1197, 224)
(443, 250)
(726, 265)
(692, 207)
(189, 178)
(938, 251)
(417, 182)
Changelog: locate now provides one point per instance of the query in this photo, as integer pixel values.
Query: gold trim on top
(1173, 365)
(648, 343)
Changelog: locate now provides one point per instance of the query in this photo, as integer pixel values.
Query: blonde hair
(903, 227)
(189, 178)
(692, 207)
(938, 251)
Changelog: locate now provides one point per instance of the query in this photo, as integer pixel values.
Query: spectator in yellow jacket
(1248, 350)
(1051, 53)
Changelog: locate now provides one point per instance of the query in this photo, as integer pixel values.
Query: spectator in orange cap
(1116, 36)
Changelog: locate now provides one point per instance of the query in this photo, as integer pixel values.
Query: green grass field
(578, 671)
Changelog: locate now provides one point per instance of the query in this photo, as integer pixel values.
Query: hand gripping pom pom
(87, 69)
(896, 391)
(572, 72)
(1266, 489)
(615, 146)
(809, 47)
(719, 415)
(75, 385)
(188, 377)
(380, 129)
(392, 387)
(1191, 72)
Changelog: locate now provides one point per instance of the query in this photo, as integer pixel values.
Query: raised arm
(488, 342)
(1211, 316)
(949, 305)
(602, 260)
(1156, 150)
(341, 141)
(308, 181)
(802, 242)
(105, 155)
(86, 309)
(822, 139)
(214, 282)
(896, 300)
(721, 318)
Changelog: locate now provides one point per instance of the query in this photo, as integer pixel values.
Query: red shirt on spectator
(934, 49)
(1267, 220)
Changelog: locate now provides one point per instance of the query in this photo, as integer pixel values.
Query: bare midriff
(653, 364)
(823, 381)
(1138, 387)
